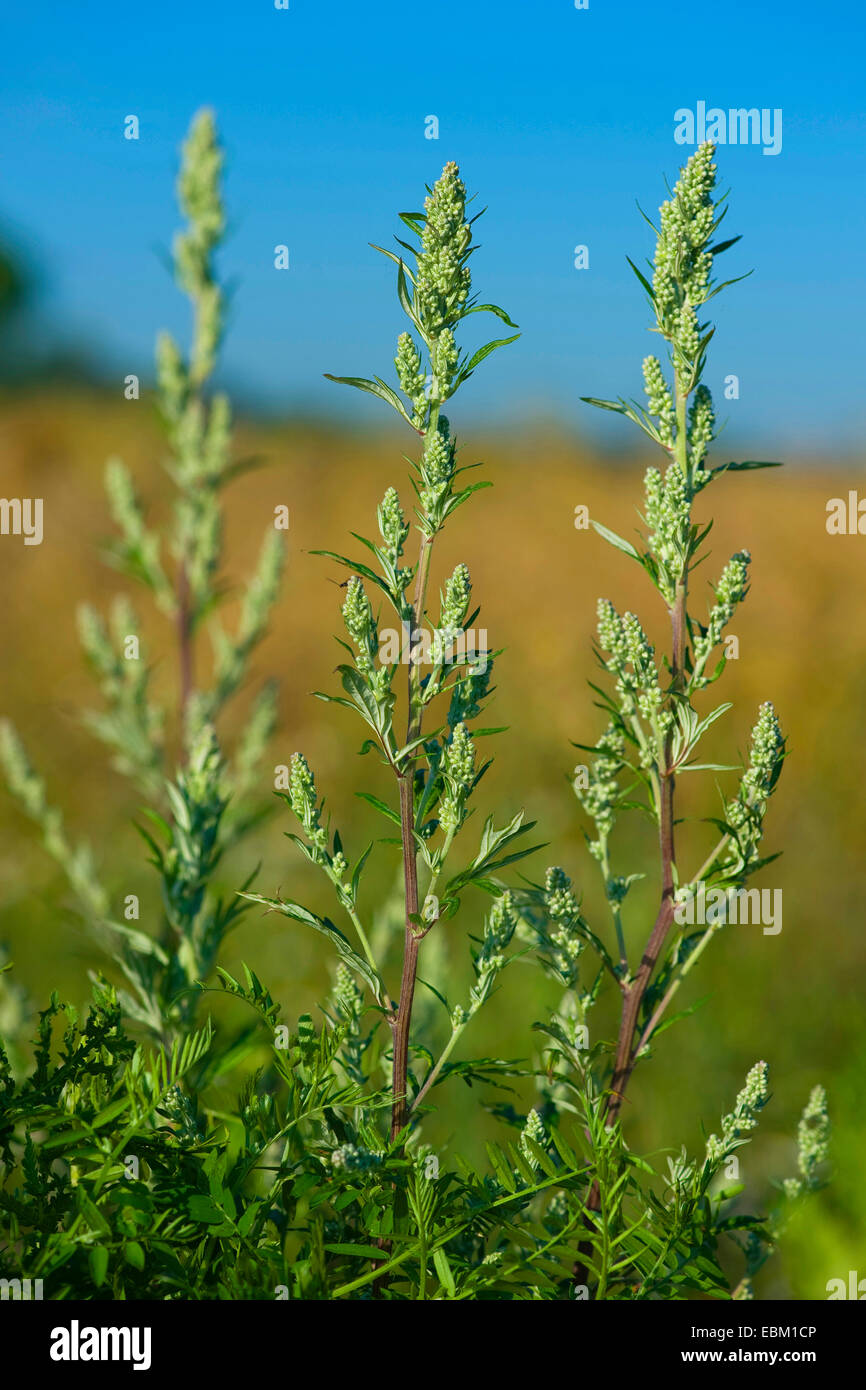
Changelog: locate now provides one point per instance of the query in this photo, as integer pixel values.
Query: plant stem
(402, 1020)
(625, 1056)
(672, 989)
(633, 993)
(626, 1053)
(185, 643)
(403, 1017)
(367, 949)
(434, 1071)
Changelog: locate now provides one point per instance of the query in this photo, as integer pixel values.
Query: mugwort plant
(654, 722)
(126, 1173)
(435, 769)
(196, 815)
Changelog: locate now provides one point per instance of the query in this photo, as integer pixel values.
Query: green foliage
(146, 1155)
(178, 567)
(651, 741)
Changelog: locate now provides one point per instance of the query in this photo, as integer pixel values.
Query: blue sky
(560, 119)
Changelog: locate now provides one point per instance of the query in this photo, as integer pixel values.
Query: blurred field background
(795, 999)
(560, 119)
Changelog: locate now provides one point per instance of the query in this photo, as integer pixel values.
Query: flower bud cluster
(667, 512)
(180, 1111)
(732, 588)
(360, 624)
(558, 897)
(443, 278)
(171, 378)
(410, 374)
(632, 660)
(351, 1158)
(201, 202)
(744, 1117)
(458, 773)
(347, 994)
(564, 909)
(746, 812)
(599, 799)
(533, 1130)
(701, 430)
(683, 265)
(304, 801)
(393, 526)
(470, 691)
(455, 603)
(659, 399)
(499, 928)
(445, 359)
(813, 1144)
(437, 472)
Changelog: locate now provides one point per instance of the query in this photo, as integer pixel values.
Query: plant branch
(401, 1022)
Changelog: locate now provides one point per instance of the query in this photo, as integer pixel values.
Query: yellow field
(795, 999)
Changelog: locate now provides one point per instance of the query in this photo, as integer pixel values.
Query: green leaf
(406, 303)
(717, 289)
(746, 466)
(479, 356)
(356, 566)
(201, 1208)
(98, 1261)
(618, 407)
(325, 927)
(359, 869)
(444, 1271)
(364, 1252)
(376, 387)
(721, 246)
(364, 700)
(490, 309)
(644, 281)
(140, 942)
(485, 861)
(415, 221)
(380, 805)
(133, 1254)
(613, 539)
(416, 743)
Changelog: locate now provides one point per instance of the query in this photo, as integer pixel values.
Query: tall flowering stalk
(435, 769)
(190, 821)
(654, 728)
(316, 1186)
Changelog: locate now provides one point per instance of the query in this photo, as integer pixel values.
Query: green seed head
(682, 262)
(459, 761)
(392, 524)
(559, 899)
(443, 278)
(357, 613)
(456, 600)
(659, 398)
(813, 1136)
(304, 799)
(533, 1130)
(702, 423)
(410, 374)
